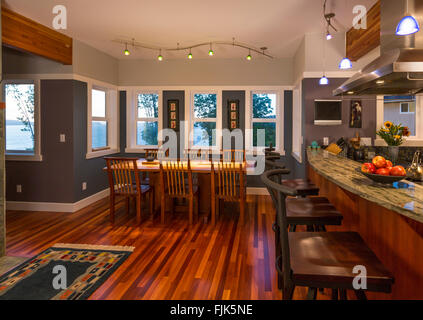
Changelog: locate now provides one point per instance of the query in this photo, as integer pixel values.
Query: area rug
(63, 272)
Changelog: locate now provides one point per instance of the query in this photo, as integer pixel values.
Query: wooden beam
(21, 33)
(362, 41)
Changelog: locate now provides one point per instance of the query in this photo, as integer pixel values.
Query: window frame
(16, 155)
(132, 119)
(111, 116)
(408, 108)
(217, 120)
(412, 141)
(279, 147)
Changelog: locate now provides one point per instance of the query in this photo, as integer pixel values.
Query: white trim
(297, 114)
(56, 206)
(329, 74)
(257, 191)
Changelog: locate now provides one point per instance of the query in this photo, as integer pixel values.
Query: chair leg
(360, 294)
(334, 294)
(191, 209)
(138, 199)
(151, 200)
(162, 209)
(127, 203)
(112, 208)
(288, 292)
(197, 208)
(312, 293)
(342, 294)
(213, 209)
(242, 210)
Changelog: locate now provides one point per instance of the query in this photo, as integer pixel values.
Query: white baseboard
(257, 191)
(55, 206)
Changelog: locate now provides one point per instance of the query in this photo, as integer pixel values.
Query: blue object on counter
(315, 145)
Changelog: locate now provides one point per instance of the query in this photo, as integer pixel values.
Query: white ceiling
(276, 24)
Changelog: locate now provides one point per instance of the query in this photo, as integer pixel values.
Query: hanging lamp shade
(323, 81)
(407, 25)
(345, 64)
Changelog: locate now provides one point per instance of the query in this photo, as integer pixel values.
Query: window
(204, 119)
(265, 117)
(22, 114)
(401, 109)
(147, 119)
(102, 137)
(99, 125)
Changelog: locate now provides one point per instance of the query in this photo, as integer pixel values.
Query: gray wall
(50, 180)
(311, 91)
(2, 170)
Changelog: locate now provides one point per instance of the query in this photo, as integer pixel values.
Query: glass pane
(20, 130)
(204, 134)
(148, 105)
(147, 132)
(99, 134)
(98, 102)
(264, 105)
(269, 135)
(393, 108)
(205, 105)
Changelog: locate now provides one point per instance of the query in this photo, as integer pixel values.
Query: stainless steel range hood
(399, 69)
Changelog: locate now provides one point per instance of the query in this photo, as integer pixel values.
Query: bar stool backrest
(279, 193)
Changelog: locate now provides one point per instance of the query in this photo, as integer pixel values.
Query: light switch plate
(84, 186)
(19, 188)
(62, 137)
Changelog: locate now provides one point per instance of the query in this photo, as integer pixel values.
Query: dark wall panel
(226, 97)
(175, 95)
(52, 179)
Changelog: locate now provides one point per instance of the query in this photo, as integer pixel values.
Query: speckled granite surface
(404, 197)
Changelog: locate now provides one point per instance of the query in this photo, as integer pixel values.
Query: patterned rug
(63, 272)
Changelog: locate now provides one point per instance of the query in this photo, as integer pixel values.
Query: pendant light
(323, 80)
(408, 25)
(190, 54)
(126, 52)
(160, 57)
(211, 53)
(249, 57)
(345, 63)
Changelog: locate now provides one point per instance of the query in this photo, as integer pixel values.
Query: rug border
(97, 285)
(82, 246)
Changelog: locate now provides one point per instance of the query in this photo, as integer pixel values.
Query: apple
(389, 163)
(368, 167)
(379, 162)
(382, 171)
(398, 171)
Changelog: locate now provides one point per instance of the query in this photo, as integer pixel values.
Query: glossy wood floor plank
(171, 261)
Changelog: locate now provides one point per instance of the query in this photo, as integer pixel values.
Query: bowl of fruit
(382, 170)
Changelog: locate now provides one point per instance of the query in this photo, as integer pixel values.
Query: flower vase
(393, 154)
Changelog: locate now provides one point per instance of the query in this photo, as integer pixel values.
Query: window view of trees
(147, 124)
(99, 116)
(264, 117)
(205, 108)
(20, 130)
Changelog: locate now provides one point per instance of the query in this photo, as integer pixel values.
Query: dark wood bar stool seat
(327, 260)
(321, 259)
(314, 212)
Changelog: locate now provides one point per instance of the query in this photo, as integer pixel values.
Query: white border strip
(55, 206)
(93, 247)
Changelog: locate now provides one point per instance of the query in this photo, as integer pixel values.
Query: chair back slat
(122, 173)
(176, 173)
(233, 155)
(230, 179)
(151, 152)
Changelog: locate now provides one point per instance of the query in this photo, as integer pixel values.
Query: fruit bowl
(381, 178)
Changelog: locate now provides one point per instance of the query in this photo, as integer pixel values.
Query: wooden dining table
(203, 170)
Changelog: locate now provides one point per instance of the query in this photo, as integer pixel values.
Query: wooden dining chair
(321, 259)
(227, 184)
(197, 154)
(177, 182)
(151, 152)
(233, 155)
(124, 180)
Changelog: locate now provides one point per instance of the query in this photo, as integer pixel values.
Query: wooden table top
(198, 166)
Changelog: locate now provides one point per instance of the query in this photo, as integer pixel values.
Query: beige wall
(92, 63)
(260, 71)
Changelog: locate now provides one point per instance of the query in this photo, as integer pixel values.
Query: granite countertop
(403, 197)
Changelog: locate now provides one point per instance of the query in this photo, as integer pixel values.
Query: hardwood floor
(171, 261)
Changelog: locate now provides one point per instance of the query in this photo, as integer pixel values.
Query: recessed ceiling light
(350, 92)
(380, 81)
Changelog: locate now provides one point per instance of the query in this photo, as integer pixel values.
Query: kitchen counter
(404, 197)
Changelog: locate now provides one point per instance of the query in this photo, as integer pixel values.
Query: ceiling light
(380, 81)
(323, 81)
(249, 57)
(345, 64)
(328, 36)
(350, 92)
(211, 50)
(190, 54)
(407, 25)
(160, 57)
(126, 52)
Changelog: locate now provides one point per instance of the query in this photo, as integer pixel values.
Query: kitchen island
(388, 217)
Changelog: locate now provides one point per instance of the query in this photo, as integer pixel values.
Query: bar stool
(321, 259)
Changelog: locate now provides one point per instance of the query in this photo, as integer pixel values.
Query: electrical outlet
(62, 137)
(19, 188)
(84, 186)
